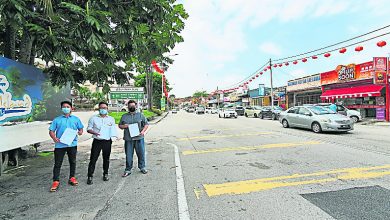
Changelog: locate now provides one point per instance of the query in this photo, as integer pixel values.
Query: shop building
(356, 87)
(305, 90)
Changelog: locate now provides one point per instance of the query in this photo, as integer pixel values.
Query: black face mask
(132, 109)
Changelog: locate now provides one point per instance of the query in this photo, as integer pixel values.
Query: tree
(98, 96)
(200, 94)
(140, 81)
(82, 92)
(99, 33)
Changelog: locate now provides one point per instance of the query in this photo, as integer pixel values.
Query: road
(244, 168)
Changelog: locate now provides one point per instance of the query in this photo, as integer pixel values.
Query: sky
(225, 41)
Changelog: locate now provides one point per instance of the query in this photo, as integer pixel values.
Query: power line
(338, 43)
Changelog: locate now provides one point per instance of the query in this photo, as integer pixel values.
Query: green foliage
(140, 81)
(199, 94)
(99, 33)
(117, 115)
(157, 111)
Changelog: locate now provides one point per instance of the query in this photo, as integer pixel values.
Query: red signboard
(380, 63)
(348, 73)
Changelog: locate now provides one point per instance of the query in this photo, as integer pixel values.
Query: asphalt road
(244, 168)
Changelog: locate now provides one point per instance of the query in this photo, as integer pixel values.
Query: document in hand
(134, 130)
(68, 136)
(107, 132)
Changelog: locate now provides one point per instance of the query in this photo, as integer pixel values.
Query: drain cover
(371, 202)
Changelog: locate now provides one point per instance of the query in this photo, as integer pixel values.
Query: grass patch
(45, 154)
(117, 115)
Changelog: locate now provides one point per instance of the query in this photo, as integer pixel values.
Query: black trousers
(97, 146)
(59, 154)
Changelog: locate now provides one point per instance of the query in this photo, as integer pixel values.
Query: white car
(353, 114)
(214, 111)
(252, 111)
(227, 113)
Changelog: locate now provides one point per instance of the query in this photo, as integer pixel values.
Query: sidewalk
(374, 122)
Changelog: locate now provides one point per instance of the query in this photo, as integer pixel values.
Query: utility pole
(272, 85)
(217, 98)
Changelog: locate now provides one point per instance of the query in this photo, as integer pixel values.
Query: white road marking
(181, 193)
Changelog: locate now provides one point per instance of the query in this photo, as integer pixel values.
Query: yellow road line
(223, 136)
(248, 186)
(248, 148)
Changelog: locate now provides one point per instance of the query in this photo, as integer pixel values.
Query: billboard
(26, 93)
(304, 83)
(345, 73)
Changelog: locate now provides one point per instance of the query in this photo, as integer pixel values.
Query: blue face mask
(103, 111)
(66, 110)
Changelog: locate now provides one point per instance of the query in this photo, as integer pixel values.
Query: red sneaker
(72, 181)
(54, 186)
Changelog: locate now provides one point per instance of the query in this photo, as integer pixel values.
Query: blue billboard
(26, 93)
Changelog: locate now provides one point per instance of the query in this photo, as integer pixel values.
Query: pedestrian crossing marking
(224, 136)
(249, 186)
(249, 148)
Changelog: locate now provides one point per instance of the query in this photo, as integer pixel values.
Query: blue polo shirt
(62, 122)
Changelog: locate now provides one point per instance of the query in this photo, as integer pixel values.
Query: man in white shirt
(103, 128)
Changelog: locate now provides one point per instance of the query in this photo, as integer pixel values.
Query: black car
(265, 112)
(240, 110)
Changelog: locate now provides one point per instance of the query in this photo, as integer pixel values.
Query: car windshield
(318, 110)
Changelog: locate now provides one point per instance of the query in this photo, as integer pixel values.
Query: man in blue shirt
(333, 107)
(56, 130)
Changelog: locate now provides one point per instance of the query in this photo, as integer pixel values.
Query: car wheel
(246, 115)
(262, 116)
(316, 127)
(355, 119)
(255, 115)
(285, 123)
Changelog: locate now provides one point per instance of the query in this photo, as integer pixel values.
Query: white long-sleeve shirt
(96, 123)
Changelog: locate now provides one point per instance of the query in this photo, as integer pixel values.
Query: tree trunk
(25, 47)
(10, 38)
(33, 53)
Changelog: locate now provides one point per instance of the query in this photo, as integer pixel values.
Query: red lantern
(254, 77)
(381, 43)
(343, 50)
(327, 55)
(295, 62)
(314, 57)
(286, 64)
(269, 67)
(275, 65)
(261, 73)
(304, 60)
(358, 48)
(280, 64)
(257, 75)
(250, 80)
(265, 69)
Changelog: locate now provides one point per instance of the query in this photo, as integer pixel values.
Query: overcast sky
(227, 40)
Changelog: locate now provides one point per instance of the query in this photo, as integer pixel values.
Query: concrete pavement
(244, 168)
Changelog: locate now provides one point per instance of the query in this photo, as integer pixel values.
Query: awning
(353, 92)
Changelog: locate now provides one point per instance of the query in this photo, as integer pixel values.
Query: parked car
(200, 110)
(214, 111)
(252, 111)
(316, 118)
(191, 109)
(269, 112)
(240, 110)
(174, 111)
(227, 113)
(353, 114)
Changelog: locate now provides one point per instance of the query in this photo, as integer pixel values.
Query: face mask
(66, 110)
(103, 111)
(132, 109)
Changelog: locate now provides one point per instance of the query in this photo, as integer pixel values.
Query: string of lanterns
(326, 54)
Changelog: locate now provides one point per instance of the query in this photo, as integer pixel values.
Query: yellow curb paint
(197, 193)
(248, 148)
(248, 186)
(223, 136)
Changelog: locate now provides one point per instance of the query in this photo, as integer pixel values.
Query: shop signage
(304, 83)
(380, 100)
(365, 106)
(380, 114)
(380, 63)
(348, 73)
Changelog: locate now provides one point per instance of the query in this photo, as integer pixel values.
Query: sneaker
(105, 177)
(89, 181)
(55, 186)
(72, 181)
(144, 171)
(126, 173)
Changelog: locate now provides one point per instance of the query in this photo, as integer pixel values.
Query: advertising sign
(261, 90)
(127, 95)
(348, 73)
(380, 114)
(163, 104)
(26, 93)
(304, 83)
(380, 63)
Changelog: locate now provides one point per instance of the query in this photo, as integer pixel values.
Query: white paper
(68, 136)
(114, 131)
(105, 133)
(134, 130)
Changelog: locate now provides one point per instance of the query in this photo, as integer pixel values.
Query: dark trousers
(59, 154)
(97, 146)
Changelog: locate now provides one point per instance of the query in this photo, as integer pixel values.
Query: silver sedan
(316, 118)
